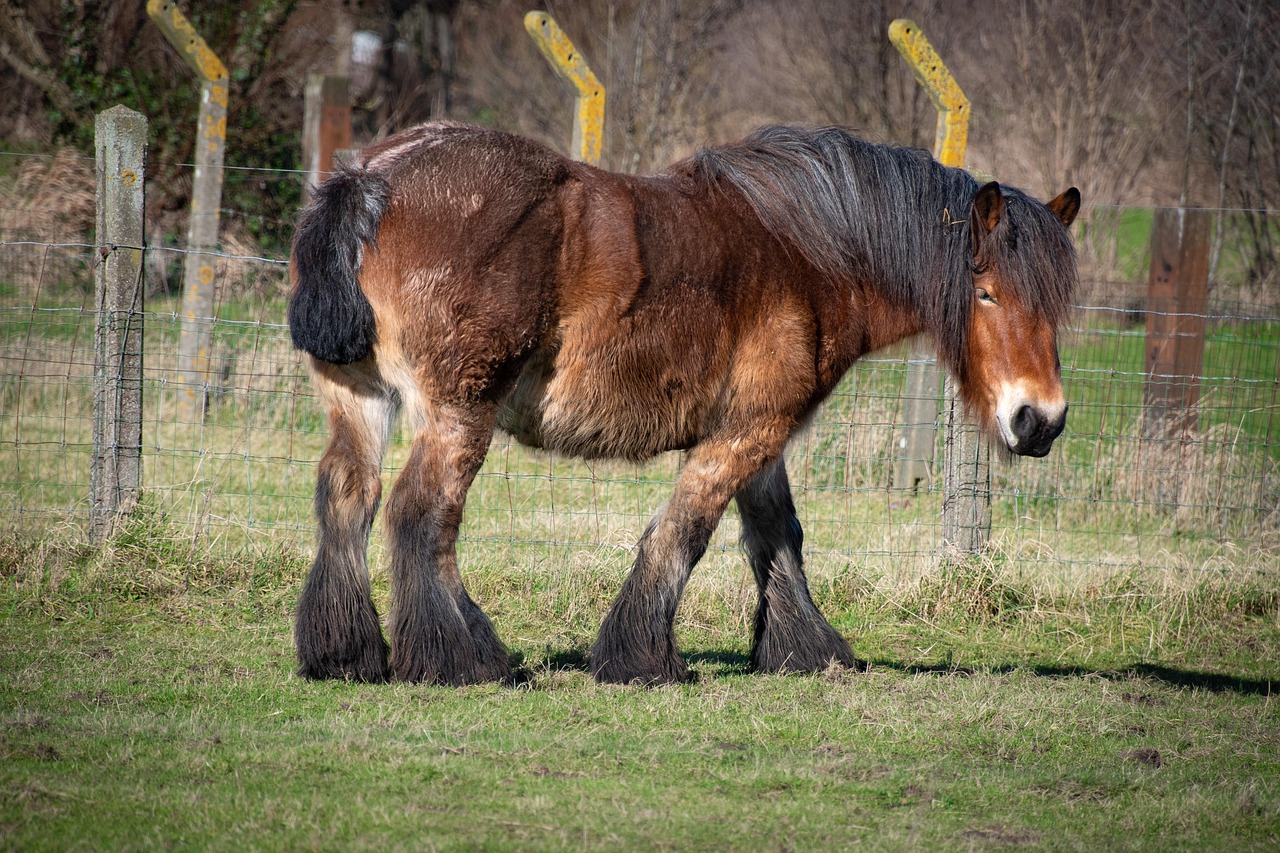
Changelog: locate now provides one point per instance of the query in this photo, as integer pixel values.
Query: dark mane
(890, 215)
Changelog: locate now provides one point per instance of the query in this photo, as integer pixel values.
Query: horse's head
(1023, 274)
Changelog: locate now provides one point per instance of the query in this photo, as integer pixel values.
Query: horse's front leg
(637, 640)
(438, 634)
(790, 634)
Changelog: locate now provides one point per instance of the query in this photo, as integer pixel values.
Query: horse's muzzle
(1035, 431)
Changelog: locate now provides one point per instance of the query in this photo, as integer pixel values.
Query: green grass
(1104, 371)
(1119, 239)
(147, 700)
(1115, 246)
(1101, 679)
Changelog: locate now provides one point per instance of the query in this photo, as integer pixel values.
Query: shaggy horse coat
(469, 279)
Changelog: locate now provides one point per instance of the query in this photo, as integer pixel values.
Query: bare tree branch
(58, 93)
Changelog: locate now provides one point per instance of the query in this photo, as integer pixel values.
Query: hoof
(449, 648)
(637, 646)
(456, 671)
(650, 671)
(358, 654)
(812, 650)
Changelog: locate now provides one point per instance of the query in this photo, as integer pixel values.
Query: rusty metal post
(206, 203)
(115, 475)
(1177, 294)
(571, 66)
(966, 501)
(326, 127)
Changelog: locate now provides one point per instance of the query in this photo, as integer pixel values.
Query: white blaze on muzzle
(1028, 424)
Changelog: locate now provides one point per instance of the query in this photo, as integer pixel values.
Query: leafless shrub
(50, 202)
(657, 61)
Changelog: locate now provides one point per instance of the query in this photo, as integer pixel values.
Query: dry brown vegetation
(1137, 102)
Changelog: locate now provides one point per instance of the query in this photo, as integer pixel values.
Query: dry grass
(246, 475)
(51, 201)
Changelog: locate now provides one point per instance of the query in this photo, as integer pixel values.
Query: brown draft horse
(472, 279)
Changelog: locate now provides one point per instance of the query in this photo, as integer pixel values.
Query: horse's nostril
(1026, 422)
(1058, 426)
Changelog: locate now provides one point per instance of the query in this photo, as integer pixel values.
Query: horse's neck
(886, 323)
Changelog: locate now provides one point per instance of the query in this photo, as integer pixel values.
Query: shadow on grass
(1172, 676)
(569, 660)
(715, 664)
(721, 663)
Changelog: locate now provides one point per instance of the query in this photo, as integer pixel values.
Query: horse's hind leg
(790, 633)
(337, 631)
(438, 634)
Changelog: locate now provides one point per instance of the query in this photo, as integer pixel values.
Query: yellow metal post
(571, 65)
(966, 487)
(952, 136)
(206, 202)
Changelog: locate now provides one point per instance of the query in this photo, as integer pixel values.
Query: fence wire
(1115, 492)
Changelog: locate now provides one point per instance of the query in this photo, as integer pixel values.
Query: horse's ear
(988, 207)
(1066, 206)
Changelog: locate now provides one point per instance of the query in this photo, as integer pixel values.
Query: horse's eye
(983, 296)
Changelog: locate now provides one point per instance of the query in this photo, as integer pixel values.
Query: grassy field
(1101, 678)
(147, 700)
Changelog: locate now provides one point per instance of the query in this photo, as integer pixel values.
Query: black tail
(329, 315)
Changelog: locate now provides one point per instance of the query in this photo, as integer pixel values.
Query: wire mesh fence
(1114, 493)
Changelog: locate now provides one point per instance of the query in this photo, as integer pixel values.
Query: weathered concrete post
(966, 499)
(120, 139)
(914, 442)
(198, 272)
(916, 435)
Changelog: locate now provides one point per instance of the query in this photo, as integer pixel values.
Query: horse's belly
(597, 408)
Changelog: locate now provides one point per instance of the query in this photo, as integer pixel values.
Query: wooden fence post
(1177, 294)
(120, 137)
(326, 127)
(966, 496)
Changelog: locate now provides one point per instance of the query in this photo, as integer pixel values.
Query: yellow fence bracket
(952, 137)
(571, 65)
(179, 32)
